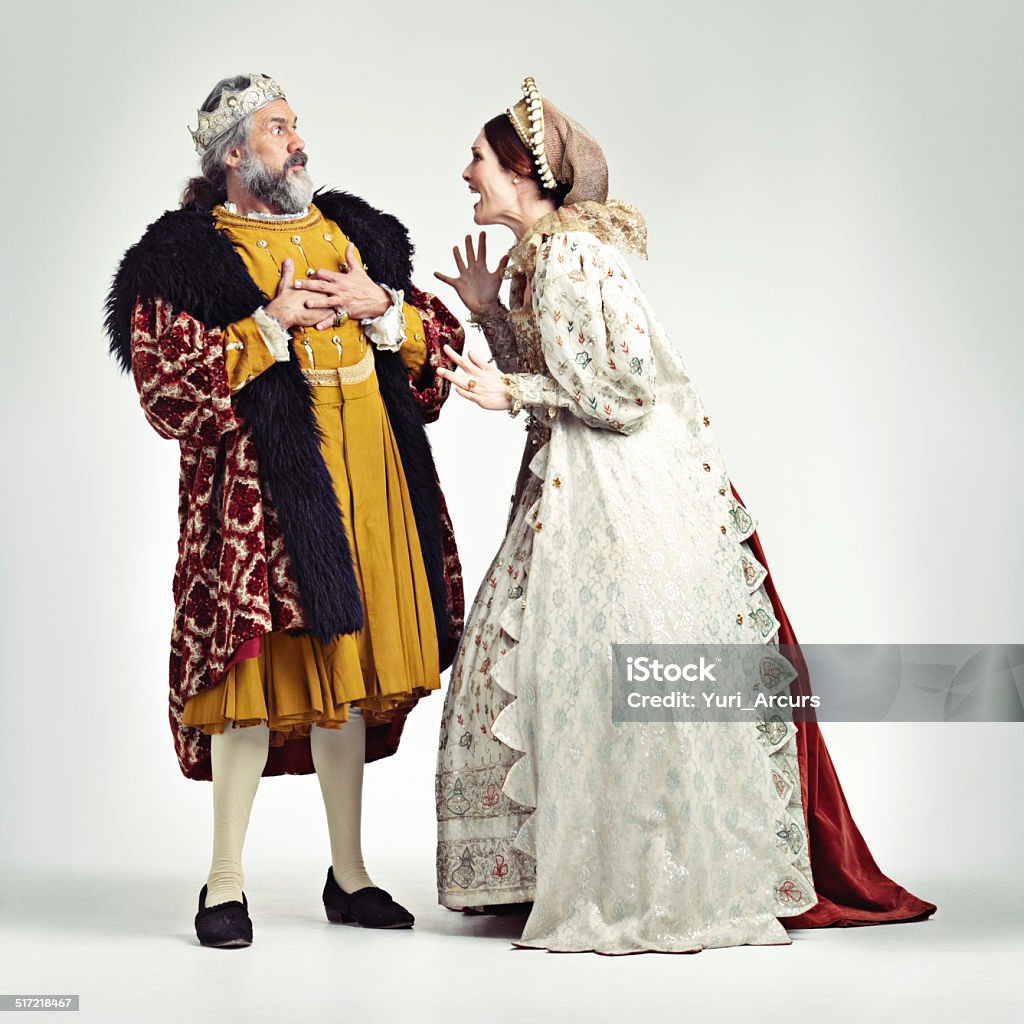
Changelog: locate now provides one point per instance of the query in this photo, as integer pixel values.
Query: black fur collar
(185, 260)
(181, 249)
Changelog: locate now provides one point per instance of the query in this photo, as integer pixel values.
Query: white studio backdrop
(833, 198)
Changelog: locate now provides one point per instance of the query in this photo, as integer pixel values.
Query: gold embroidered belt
(354, 374)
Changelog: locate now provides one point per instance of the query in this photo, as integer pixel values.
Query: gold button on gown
(296, 681)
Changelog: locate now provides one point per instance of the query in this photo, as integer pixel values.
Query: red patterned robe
(233, 579)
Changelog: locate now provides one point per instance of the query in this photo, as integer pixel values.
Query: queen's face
(485, 176)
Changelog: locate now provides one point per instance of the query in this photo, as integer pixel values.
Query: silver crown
(234, 105)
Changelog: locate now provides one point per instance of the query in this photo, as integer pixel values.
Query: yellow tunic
(296, 681)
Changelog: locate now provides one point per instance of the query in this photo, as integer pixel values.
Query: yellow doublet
(296, 681)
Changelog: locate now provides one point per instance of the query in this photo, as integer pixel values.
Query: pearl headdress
(563, 152)
(527, 117)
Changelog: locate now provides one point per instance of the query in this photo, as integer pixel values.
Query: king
(276, 335)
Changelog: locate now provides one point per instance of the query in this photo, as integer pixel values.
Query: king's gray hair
(210, 188)
(238, 135)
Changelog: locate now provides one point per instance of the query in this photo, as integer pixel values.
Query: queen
(624, 528)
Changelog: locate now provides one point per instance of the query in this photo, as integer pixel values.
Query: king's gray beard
(285, 191)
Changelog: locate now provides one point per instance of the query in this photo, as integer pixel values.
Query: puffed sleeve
(595, 336)
(182, 374)
(432, 328)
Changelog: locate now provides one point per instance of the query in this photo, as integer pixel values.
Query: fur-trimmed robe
(262, 546)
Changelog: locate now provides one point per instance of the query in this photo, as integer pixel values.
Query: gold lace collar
(614, 222)
(298, 222)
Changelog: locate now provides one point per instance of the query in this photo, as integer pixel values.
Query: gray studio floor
(126, 946)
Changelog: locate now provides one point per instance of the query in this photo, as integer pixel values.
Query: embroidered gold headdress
(234, 105)
(563, 151)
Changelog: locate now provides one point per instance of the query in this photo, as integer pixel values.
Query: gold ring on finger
(340, 316)
(470, 383)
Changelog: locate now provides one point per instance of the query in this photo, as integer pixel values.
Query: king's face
(273, 137)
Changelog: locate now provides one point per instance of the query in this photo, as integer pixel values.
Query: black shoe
(371, 907)
(224, 926)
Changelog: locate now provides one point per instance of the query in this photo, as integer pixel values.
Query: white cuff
(278, 340)
(387, 331)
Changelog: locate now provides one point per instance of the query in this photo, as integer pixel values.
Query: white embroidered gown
(633, 836)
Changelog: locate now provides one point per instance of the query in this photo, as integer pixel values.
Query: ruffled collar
(615, 222)
(230, 207)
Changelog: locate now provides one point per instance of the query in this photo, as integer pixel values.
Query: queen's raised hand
(477, 286)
